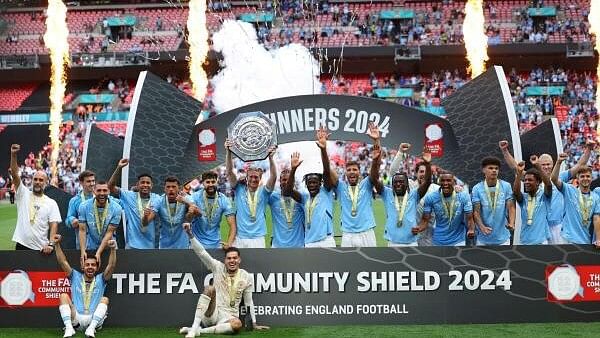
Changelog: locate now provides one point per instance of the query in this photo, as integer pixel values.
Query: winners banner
(436, 285)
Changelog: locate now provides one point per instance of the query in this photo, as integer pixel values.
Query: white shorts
(401, 245)
(359, 239)
(461, 243)
(241, 243)
(85, 320)
(425, 237)
(218, 317)
(328, 242)
(478, 243)
(555, 236)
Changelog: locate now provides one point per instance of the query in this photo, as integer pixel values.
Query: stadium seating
(12, 97)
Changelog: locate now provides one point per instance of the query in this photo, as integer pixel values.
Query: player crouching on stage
(86, 308)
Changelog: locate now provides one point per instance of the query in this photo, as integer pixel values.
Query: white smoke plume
(253, 74)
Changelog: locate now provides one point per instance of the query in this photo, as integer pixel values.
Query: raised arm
(376, 156)
(399, 159)
(583, 160)
(229, 164)
(204, 256)
(288, 189)
(272, 169)
(596, 221)
(14, 166)
(60, 255)
(556, 171)
(424, 187)
(108, 236)
(510, 160)
(112, 260)
(330, 177)
(545, 178)
(112, 182)
(520, 169)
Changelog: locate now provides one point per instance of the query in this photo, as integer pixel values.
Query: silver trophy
(252, 134)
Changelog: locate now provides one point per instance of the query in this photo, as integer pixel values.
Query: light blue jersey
(207, 227)
(400, 232)
(78, 291)
(318, 215)
(286, 235)
(557, 204)
(95, 231)
(363, 219)
(538, 231)
(73, 213)
(172, 217)
(575, 229)
(137, 237)
(248, 227)
(493, 217)
(448, 230)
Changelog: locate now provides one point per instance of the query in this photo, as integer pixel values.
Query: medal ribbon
(210, 208)
(531, 205)
(32, 210)
(288, 205)
(353, 196)
(170, 214)
(449, 209)
(232, 287)
(139, 205)
(489, 196)
(312, 202)
(252, 202)
(585, 205)
(400, 208)
(100, 220)
(87, 293)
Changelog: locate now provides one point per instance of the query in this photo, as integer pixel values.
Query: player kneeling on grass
(86, 308)
(219, 304)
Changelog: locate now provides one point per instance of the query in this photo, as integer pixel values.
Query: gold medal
(100, 220)
(310, 208)
(353, 197)
(531, 205)
(287, 204)
(400, 208)
(252, 198)
(87, 293)
(449, 207)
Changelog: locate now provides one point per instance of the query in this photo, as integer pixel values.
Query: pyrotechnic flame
(56, 39)
(198, 41)
(594, 20)
(475, 39)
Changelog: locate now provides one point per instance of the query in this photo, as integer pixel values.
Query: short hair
(352, 163)
(490, 160)
(418, 165)
(536, 173)
(284, 171)
(308, 176)
(398, 174)
(232, 249)
(584, 169)
(144, 175)
(101, 182)
(209, 175)
(90, 256)
(172, 179)
(85, 174)
(257, 169)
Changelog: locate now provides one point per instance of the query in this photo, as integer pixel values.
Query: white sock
(65, 314)
(218, 329)
(98, 315)
(201, 307)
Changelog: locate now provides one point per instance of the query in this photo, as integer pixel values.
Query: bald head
(40, 179)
